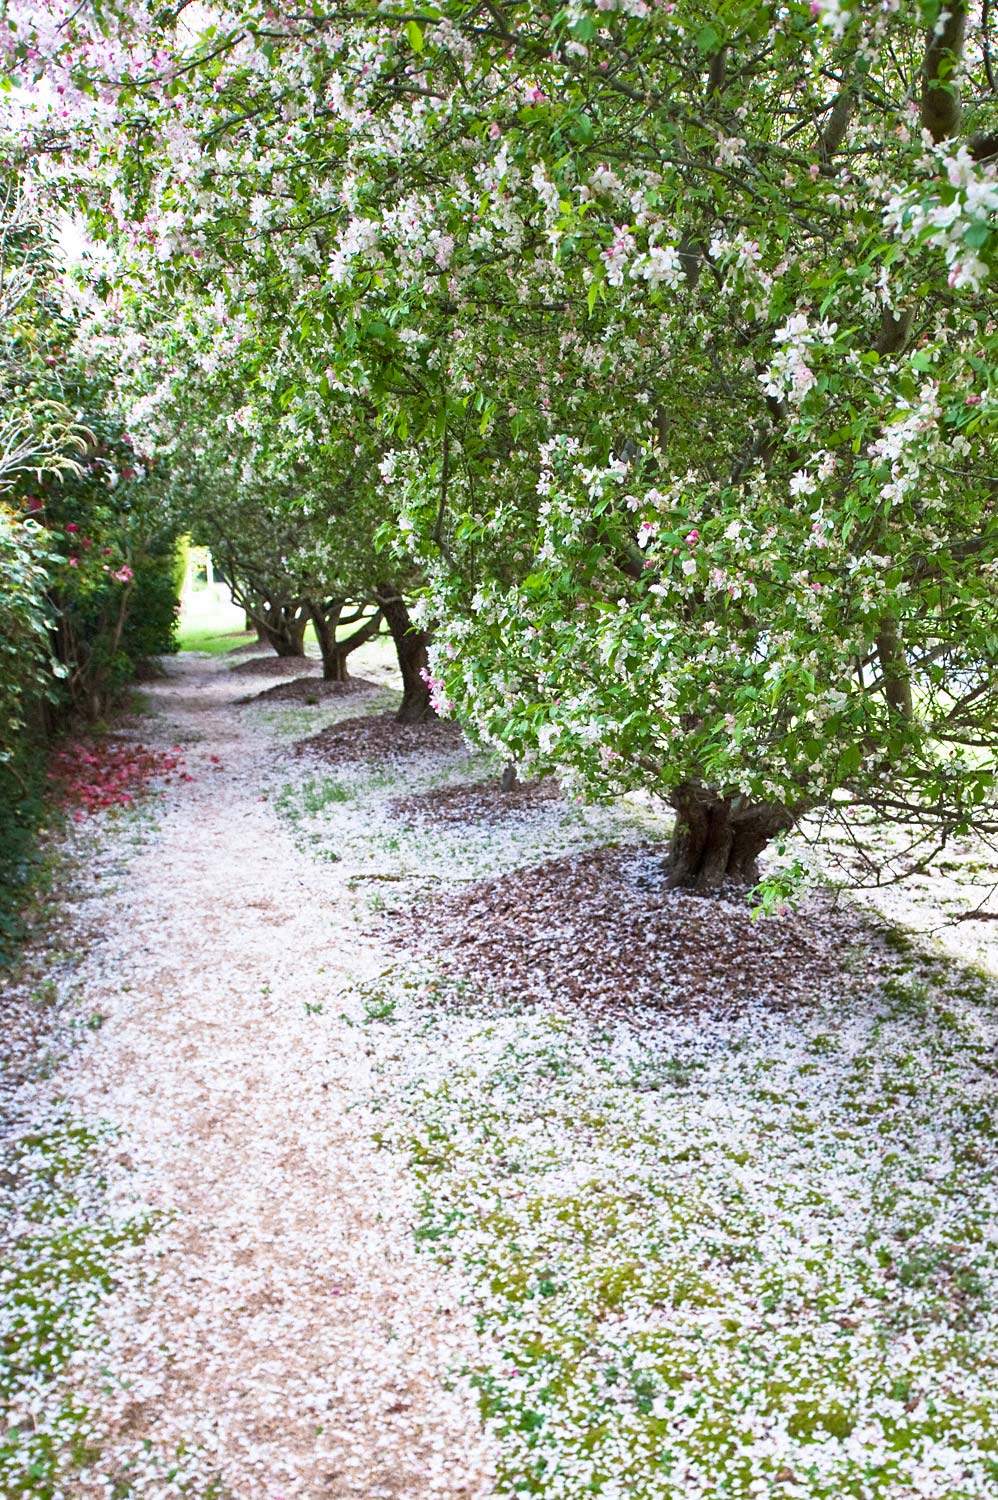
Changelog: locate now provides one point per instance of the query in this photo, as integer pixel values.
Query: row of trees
(291, 504)
(655, 342)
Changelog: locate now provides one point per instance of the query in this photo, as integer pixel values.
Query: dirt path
(280, 1331)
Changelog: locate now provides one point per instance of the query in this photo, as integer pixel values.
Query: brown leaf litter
(276, 666)
(380, 737)
(477, 802)
(601, 930)
(311, 690)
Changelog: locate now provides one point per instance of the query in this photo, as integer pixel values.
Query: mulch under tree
(477, 802)
(311, 690)
(276, 666)
(602, 931)
(380, 737)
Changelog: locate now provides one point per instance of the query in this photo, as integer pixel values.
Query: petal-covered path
(277, 1336)
(550, 1181)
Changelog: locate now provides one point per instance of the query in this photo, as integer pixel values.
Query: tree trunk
(940, 72)
(894, 666)
(326, 616)
(286, 640)
(283, 627)
(410, 647)
(717, 840)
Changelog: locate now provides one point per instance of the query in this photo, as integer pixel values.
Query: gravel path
(279, 1333)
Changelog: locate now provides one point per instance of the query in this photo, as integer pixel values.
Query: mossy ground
(717, 1259)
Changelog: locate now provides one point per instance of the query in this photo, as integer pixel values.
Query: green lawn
(209, 621)
(197, 639)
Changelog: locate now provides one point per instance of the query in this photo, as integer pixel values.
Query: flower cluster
(953, 211)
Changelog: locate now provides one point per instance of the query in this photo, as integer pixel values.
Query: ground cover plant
(58, 1269)
(740, 1256)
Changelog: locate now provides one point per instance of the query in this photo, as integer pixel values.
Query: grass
(308, 797)
(56, 1275)
(722, 1258)
(212, 641)
(210, 622)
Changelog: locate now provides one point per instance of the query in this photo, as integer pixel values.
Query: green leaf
(582, 131)
(415, 36)
(708, 39)
(850, 760)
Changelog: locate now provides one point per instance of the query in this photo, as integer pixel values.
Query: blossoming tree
(679, 319)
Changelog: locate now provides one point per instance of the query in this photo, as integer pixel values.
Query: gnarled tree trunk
(717, 840)
(410, 647)
(283, 627)
(327, 616)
